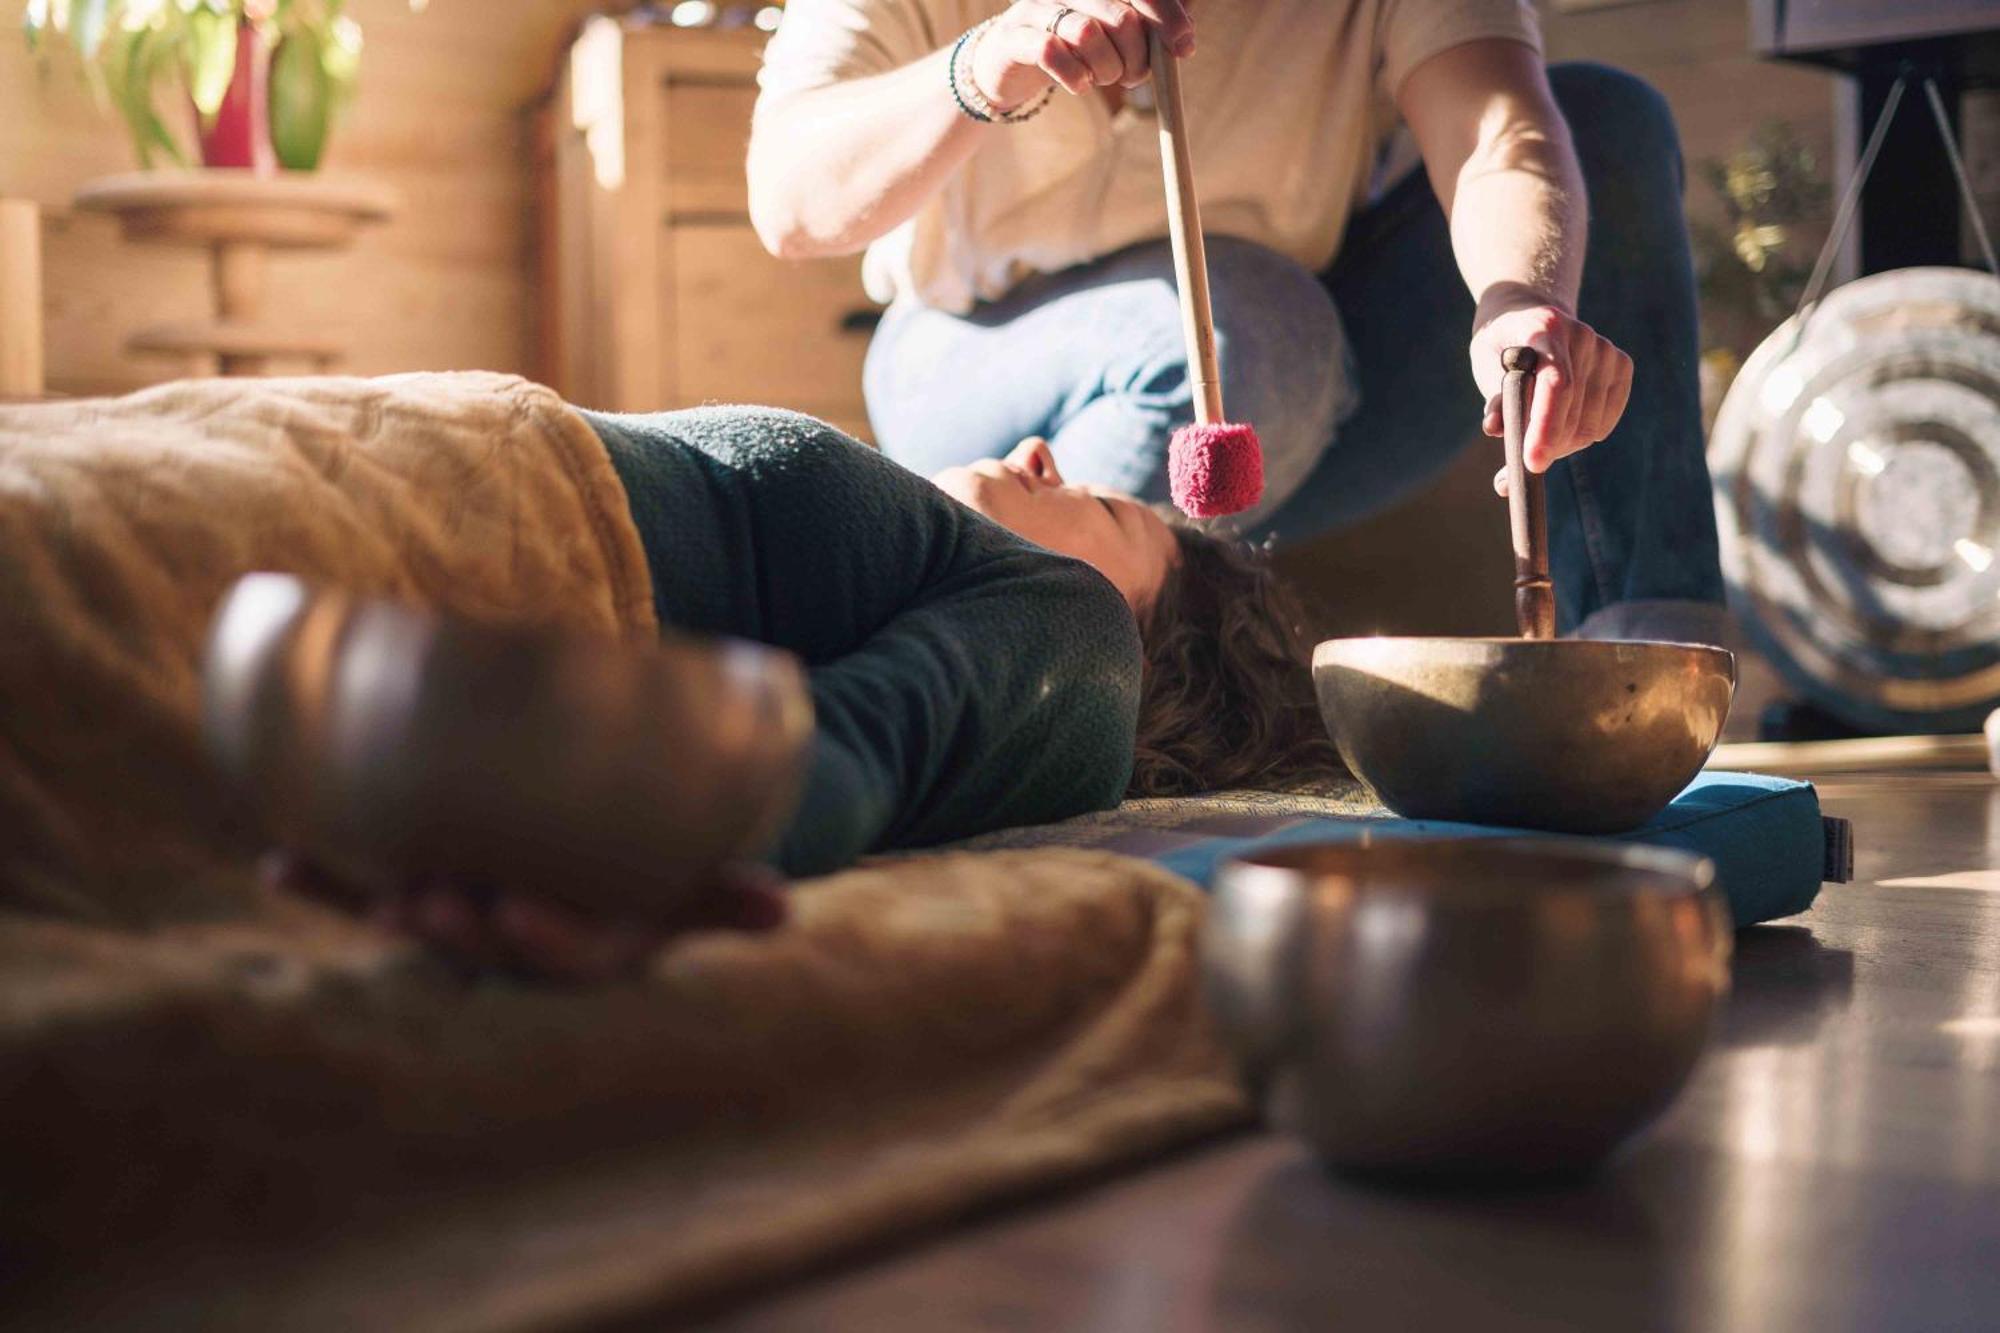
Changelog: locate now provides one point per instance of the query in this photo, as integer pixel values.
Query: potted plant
(1753, 264)
(264, 77)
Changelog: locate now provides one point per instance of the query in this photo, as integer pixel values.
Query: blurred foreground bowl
(389, 741)
(1566, 735)
(1481, 1007)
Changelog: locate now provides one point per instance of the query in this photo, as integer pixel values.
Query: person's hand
(533, 937)
(1581, 386)
(1096, 44)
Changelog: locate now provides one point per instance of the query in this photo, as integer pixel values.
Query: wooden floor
(1834, 1165)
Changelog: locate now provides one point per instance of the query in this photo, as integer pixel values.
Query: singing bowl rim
(299, 767)
(1721, 657)
(1360, 684)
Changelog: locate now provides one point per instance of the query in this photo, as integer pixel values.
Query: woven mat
(1157, 827)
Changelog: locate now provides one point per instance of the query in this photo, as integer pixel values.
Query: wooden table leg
(239, 298)
(22, 368)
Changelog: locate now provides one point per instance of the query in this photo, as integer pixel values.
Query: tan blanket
(290, 1120)
(122, 522)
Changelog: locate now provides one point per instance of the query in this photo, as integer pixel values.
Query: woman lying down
(1143, 657)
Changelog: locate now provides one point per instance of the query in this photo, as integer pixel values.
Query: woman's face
(1115, 534)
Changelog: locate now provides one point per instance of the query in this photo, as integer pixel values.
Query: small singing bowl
(392, 742)
(1562, 735)
(1466, 1007)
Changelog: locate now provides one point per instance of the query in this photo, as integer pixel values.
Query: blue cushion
(1764, 835)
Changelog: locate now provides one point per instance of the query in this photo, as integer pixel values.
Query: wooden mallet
(1215, 467)
(1527, 508)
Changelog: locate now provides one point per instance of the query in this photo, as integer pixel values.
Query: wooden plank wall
(1696, 52)
(450, 282)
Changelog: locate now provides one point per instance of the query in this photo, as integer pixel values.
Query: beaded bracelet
(971, 102)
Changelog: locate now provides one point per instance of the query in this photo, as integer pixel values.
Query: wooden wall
(1696, 52)
(450, 282)
(447, 285)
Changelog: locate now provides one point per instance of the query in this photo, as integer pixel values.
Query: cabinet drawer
(744, 327)
(706, 133)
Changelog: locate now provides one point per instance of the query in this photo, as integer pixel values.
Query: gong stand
(1851, 201)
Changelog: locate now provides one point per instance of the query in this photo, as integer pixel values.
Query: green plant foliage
(209, 53)
(133, 60)
(131, 51)
(1753, 266)
(301, 99)
(86, 25)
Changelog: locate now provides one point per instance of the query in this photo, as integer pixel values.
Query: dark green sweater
(964, 680)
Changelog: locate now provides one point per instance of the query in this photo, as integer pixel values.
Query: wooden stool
(239, 217)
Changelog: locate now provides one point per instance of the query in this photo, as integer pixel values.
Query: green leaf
(133, 62)
(86, 25)
(210, 58)
(341, 54)
(301, 99)
(34, 20)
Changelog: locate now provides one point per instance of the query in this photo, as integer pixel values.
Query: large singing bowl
(391, 742)
(1486, 1007)
(1567, 735)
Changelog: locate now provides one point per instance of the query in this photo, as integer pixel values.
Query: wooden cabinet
(655, 291)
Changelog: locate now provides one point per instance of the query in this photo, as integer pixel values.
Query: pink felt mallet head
(1215, 468)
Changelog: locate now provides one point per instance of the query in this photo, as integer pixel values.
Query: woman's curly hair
(1227, 695)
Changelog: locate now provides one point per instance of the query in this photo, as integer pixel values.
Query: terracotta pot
(239, 136)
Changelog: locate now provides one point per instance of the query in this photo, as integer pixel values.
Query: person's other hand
(1581, 386)
(1094, 44)
(534, 937)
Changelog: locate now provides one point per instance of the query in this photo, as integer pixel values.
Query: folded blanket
(221, 1106)
(122, 522)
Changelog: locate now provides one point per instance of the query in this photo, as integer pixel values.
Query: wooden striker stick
(1527, 506)
(1184, 227)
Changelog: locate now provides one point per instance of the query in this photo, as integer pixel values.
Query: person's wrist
(1005, 86)
(1505, 298)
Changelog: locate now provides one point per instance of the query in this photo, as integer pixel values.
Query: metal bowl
(1466, 1006)
(1568, 735)
(391, 742)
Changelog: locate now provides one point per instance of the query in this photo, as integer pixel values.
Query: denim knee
(1622, 127)
(1286, 368)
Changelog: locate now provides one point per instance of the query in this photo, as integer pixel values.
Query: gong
(1857, 486)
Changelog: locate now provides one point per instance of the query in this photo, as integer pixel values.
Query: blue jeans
(1356, 379)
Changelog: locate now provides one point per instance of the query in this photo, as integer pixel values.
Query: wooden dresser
(655, 293)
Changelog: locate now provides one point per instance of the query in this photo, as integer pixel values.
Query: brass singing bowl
(1485, 1007)
(391, 742)
(1566, 735)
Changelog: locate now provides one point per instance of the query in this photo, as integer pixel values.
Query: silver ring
(1055, 24)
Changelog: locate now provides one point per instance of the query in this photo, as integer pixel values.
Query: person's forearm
(1501, 164)
(1519, 221)
(835, 168)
